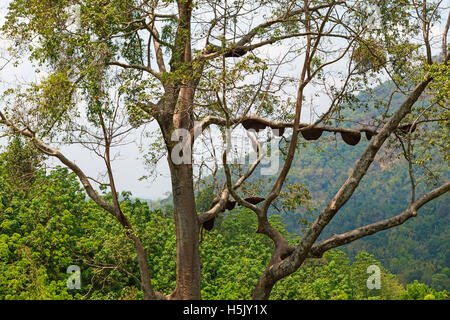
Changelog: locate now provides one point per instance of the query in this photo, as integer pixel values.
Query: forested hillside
(417, 250)
(46, 225)
(340, 108)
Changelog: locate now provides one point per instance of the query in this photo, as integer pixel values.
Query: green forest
(415, 251)
(224, 150)
(47, 224)
(418, 250)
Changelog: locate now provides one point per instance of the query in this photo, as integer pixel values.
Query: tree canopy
(208, 73)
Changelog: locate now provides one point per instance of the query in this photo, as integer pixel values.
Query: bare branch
(296, 258)
(337, 240)
(136, 67)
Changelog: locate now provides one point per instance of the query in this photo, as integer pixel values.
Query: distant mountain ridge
(417, 250)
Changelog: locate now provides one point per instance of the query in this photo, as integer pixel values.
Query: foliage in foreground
(46, 225)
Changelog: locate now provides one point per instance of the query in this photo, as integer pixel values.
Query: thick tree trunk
(263, 289)
(187, 231)
(179, 117)
(185, 214)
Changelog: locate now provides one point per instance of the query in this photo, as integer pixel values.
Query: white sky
(129, 168)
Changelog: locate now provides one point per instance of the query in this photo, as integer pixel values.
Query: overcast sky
(129, 167)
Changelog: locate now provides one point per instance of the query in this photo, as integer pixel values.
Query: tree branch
(293, 262)
(337, 240)
(136, 67)
(112, 209)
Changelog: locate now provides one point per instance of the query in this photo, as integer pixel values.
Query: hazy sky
(129, 167)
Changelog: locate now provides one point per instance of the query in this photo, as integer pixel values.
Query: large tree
(113, 66)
